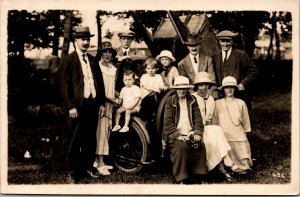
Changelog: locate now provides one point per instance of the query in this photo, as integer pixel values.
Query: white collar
(228, 53)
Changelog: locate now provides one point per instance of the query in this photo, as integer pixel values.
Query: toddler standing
(169, 72)
(232, 115)
(130, 97)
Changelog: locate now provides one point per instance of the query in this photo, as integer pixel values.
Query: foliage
(35, 29)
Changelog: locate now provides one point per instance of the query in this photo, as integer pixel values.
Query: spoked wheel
(130, 149)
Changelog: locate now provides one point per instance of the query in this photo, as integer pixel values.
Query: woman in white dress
(107, 53)
(215, 142)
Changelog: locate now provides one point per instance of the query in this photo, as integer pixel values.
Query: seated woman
(214, 139)
(182, 119)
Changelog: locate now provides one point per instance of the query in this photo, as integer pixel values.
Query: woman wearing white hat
(182, 121)
(215, 142)
(232, 116)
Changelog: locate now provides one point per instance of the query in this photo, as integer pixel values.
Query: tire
(160, 111)
(131, 148)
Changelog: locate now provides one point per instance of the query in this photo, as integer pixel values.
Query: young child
(215, 142)
(169, 71)
(130, 97)
(232, 115)
(151, 86)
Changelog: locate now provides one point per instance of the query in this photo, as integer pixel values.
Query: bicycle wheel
(160, 111)
(131, 148)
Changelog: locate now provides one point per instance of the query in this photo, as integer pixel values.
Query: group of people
(218, 128)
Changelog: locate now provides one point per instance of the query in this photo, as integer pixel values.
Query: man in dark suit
(128, 58)
(83, 94)
(236, 63)
(195, 62)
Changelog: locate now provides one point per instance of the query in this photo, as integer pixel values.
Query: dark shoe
(229, 177)
(70, 179)
(93, 173)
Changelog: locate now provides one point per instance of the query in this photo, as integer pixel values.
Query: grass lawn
(270, 142)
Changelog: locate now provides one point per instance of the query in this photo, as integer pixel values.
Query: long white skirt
(216, 145)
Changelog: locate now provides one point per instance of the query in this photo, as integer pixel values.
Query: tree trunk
(67, 35)
(98, 19)
(56, 20)
(272, 30)
(277, 43)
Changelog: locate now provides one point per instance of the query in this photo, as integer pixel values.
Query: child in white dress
(169, 72)
(130, 97)
(232, 115)
(215, 142)
(151, 86)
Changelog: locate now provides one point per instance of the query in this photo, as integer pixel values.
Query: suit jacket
(135, 54)
(72, 81)
(185, 67)
(239, 65)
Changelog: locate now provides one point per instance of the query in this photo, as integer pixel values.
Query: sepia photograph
(149, 97)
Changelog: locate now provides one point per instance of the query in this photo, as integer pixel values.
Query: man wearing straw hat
(83, 94)
(183, 123)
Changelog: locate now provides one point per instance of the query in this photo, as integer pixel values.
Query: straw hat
(181, 82)
(228, 81)
(203, 77)
(82, 32)
(226, 34)
(166, 53)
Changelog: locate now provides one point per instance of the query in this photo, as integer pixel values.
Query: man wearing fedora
(83, 94)
(195, 62)
(234, 62)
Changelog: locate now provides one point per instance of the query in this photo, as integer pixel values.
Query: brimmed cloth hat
(203, 77)
(193, 39)
(106, 45)
(228, 81)
(82, 32)
(181, 82)
(166, 53)
(226, 34)
(126, 34)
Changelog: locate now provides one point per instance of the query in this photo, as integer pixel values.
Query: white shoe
(124, 130)
(116, 128)
(103, 171)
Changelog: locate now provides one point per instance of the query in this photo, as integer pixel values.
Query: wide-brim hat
(228, 81)
(127, 33)
(181, 82)
(166, 53)
(193, 39)
(82, 32)
(226, 34)
(106, 45)
(203, 77)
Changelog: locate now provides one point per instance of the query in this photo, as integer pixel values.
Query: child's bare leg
(118, 115)
(128, 116)
(117, 118)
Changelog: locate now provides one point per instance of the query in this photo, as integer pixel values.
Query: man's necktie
(225, 59)
(83, 58)
(195, 60)
(125, 53)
